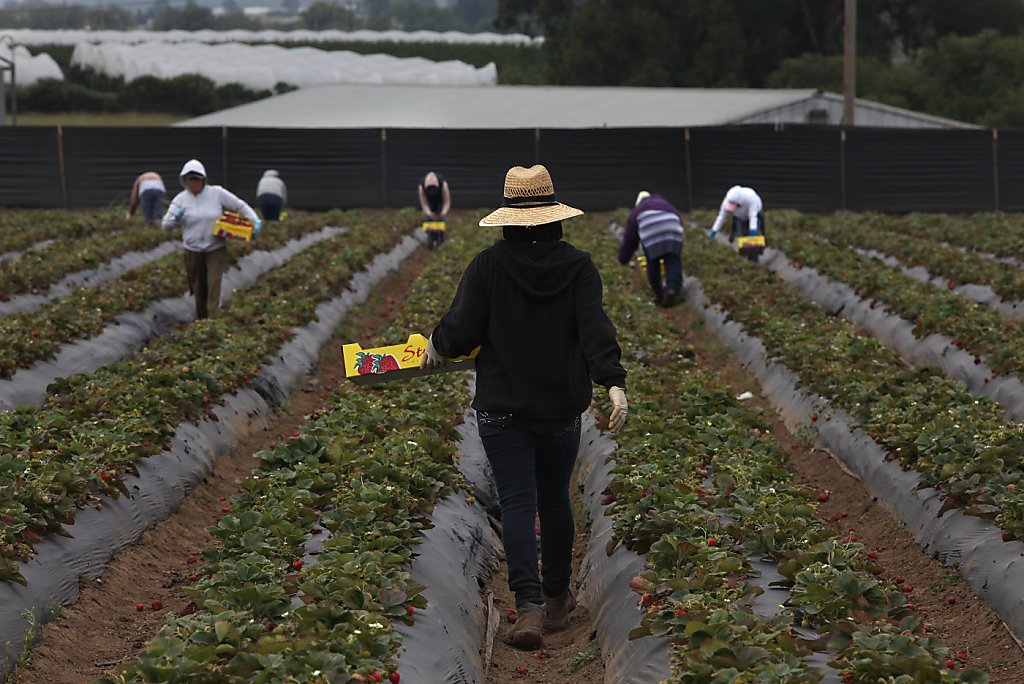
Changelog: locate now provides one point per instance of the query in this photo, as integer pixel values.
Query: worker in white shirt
(747, 215)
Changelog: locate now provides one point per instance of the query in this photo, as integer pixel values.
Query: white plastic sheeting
(263, 66)
(72, 37)
(30, 68)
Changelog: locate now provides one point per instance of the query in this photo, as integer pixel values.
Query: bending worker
(435, 202)
(271, 195)
(148, 190)
(747, 214)
(655, 224)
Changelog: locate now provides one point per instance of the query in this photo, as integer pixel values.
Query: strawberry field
(351, 537)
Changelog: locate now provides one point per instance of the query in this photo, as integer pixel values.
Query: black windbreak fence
(809, 168)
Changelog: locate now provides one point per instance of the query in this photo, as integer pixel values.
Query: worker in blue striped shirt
(655, 225)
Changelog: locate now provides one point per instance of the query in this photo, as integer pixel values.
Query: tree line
(954, 58)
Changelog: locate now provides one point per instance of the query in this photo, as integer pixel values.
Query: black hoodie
(535, 311)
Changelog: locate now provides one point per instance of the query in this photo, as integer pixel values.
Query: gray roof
(403, 106)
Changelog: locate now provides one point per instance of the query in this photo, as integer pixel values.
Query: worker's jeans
(532, 462)
(270, 206)
(152, 206)
(673, 274)
(205, 272)
(741, 228)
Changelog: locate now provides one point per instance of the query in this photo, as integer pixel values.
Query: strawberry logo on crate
(368, 363)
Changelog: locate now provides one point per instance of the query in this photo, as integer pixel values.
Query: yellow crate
(233, 226)
(433, 225)
(751, 242)
(395, 361)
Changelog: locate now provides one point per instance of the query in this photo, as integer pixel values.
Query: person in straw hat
(533, 304)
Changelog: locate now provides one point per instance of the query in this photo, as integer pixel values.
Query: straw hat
(529, 200)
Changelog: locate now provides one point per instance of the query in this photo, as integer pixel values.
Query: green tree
(192, 17)
(326, 15)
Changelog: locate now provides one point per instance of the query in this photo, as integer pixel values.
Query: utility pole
(8, 65)
(849, 60)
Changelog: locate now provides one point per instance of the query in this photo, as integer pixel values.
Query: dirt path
(963, 621)
(104, 629)
(572, 656)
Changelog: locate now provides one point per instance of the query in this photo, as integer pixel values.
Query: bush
(52, 95)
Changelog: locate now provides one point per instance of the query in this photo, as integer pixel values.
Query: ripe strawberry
(409, 609)
(521, 671)
(712, 541)
(297, 564)
(872, 555)
(951, 600)
(157, 604)
(950, 664)
(822, 496)
(375, 676)
(140, 607)
(814, 417)
(899, 580)
(366, 363)
(394, 677)
(105, 477)
(389, 363)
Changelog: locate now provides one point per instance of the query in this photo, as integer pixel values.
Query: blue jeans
(741, 228)
(532, 462)
(673, 274)
(152, 206)
(270, 206)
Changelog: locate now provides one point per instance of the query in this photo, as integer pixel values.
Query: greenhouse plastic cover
(264, 66)
(72, 37)
(30, 68)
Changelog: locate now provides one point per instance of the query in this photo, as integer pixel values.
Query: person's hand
(620, 409)
(178, 213)
(711, 233)
(753, 232)
(128, 216)
(431, 358)
(256, 225)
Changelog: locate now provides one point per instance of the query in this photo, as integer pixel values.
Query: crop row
(21, 230)
(956, 265)
(995, 234)
(26, 338)
(702, 486)
(367, 468)
(957, 442)
(40, 268)
(92, 428)
(975, 328)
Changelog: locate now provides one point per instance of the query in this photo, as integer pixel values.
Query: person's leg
(216, 265)
(511, 454)
(195, 266)
(673, 274)
(150, 201)
(270, 206)
(556, 456)
(654, 278)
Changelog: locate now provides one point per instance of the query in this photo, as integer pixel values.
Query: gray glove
(620, 409)
(431, 358)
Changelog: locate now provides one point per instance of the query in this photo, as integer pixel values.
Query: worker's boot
(557, 611)
(527, 632)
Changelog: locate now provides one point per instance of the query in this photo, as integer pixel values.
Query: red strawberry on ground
(389, 363)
